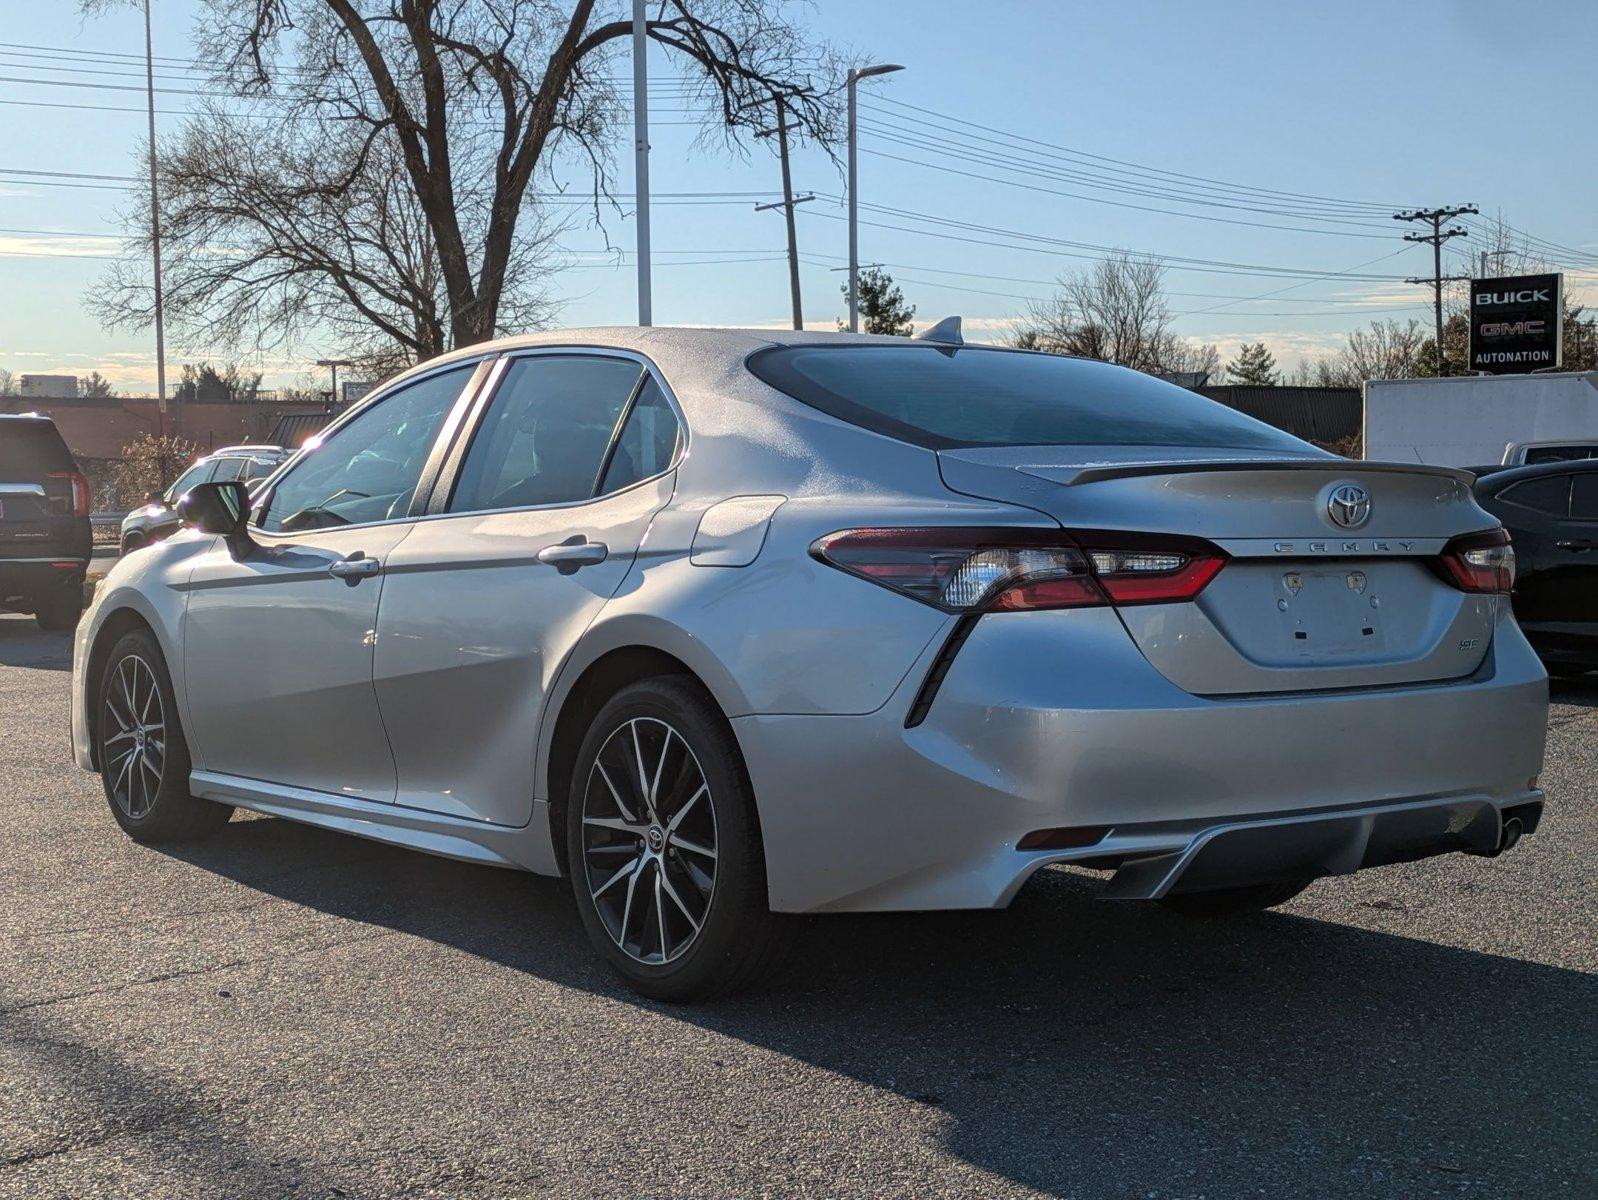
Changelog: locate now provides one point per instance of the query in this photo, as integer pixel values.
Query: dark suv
(45, 540)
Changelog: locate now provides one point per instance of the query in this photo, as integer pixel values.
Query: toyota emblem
(1349, 506)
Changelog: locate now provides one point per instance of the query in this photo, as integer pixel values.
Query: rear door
(1535, 512)
(571, 458)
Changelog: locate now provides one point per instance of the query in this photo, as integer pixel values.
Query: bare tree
(1387, 350)
(1115, 311)
(372, 170)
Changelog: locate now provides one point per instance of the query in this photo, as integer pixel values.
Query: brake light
(1480, 562)
(963, 569)
(80, 490)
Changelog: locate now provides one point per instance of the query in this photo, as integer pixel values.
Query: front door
(485, 600)
(278, 643)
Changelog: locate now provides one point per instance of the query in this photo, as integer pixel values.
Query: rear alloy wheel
(1232, 902)
(144, 759)
(664, 848)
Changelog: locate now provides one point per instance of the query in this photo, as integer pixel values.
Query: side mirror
(222, 508)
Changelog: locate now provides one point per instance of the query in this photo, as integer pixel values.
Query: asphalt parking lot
(286, 1012)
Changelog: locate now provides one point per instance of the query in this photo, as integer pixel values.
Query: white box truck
(1475, 420)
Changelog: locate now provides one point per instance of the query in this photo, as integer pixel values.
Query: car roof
(245, 450)
(1507, 475)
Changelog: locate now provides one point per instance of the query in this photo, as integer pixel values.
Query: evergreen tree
(882, 306)
(1254, 365)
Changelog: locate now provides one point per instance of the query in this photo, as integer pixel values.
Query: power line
(1436, 217)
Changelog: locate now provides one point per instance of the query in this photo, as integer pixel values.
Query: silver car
(726, 625)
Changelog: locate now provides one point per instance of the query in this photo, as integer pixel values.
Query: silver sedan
(730, 625)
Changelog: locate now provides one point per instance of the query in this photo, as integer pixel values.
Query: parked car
(1530, 454)
(731, 624)
(45, 537)
(1551, 513)
(159, 517)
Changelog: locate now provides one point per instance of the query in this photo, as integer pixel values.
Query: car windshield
(940, 397)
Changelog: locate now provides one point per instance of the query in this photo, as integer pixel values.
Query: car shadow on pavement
(24, 644)
(1581, 691)
(1067, 1042)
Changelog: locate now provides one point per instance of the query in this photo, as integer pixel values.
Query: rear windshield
(32, 447)
(940, 398)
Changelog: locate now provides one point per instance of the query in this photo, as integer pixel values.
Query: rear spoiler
(1339, 466)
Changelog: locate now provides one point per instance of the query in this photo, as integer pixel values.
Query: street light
(335, 364)
(856, 74)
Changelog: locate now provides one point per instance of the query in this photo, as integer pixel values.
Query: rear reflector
(1063, 839)
(961, 569)
(1480, 562)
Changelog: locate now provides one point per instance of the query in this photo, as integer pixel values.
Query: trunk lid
(1304, 603)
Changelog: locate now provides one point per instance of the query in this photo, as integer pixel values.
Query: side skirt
(527, 849)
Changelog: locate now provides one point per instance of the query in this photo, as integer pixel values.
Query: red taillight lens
(1007, 570)
(80, 490)
(1480, 562)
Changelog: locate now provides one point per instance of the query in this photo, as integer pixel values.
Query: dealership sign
(1516, 323)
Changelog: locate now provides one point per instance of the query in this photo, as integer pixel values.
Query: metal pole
(854, 219)
(1437, 290)
(155, 227)
(787, 207)
(641, 157)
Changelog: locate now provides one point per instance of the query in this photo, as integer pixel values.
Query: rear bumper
(37, 574)
(1054, 719)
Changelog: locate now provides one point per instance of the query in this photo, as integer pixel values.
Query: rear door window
(1549, 495)
(1584, 497)
(943, 398)
(31, 449)
(648, 441)
(545, 436)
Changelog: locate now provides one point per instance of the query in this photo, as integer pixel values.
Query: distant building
(48, 387)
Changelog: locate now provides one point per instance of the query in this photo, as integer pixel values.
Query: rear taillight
(79, 488)
(961, 569)
(1480, 562)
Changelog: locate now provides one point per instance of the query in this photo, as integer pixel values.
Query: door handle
(354, 568)
(1578, 545)
(573, 553)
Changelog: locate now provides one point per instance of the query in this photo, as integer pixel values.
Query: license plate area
(1329, 612)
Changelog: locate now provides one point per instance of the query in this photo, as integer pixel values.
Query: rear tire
(1232, 902)
(132, 542)
(664, 850)
(60, 613)
(144, 759)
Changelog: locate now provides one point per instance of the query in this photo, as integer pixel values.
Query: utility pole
(787, 206)
(641, 157)
(335, 364)
(155, 230)
(1435, 217)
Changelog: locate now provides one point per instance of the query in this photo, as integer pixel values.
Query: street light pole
(856, 74)
(155, 225)
(334, 364)
(641, 158)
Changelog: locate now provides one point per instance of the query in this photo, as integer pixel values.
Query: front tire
(664, 848)
(144, 759)
(1232, 902)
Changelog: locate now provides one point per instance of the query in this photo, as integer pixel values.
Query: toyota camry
(727, 625)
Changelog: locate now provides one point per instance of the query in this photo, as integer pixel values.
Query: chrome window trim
(452, 423)
(485, 401)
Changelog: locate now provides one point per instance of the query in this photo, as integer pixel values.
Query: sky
(1346, 112)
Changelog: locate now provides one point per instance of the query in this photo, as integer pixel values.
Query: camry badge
(1349, 506)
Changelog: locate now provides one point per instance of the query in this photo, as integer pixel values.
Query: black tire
(1232, 902)
(59, 613)
(132, 542)
(1567, 670)
(159, 808)
(737, 939)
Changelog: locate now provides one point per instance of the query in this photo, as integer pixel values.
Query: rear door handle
(573, 553)
(1577, 545)
(354, 568)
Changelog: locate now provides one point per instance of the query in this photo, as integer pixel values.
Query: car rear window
(1553, 454)
(940, 398)
(32, 447)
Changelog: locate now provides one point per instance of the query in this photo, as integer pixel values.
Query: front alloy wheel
(663, 845)
(143, 757)
(649, 838)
